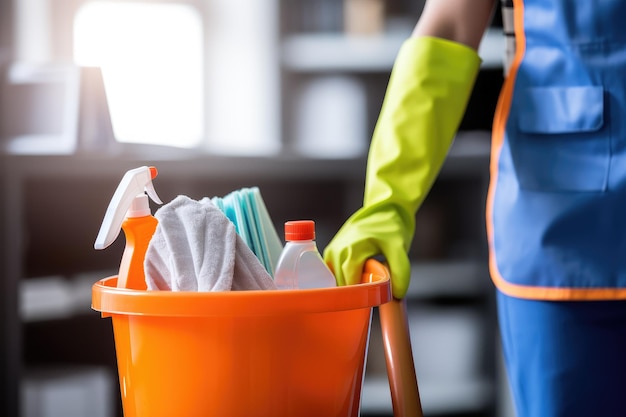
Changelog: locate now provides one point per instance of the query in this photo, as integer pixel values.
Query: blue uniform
(556, 210)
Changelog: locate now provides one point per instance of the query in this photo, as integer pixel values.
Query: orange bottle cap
(300, 230)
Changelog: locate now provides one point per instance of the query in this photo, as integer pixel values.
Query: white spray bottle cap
(129, 200)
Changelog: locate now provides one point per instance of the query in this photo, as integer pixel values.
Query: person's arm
(428, 90)
(461, 21)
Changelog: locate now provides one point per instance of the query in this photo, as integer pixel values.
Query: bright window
(151, 57)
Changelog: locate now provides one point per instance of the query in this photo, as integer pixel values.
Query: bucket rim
(374, 291)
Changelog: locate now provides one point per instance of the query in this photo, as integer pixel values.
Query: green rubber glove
(426, 97)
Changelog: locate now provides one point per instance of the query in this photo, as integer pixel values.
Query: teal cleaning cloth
(247, 211)
(196, 248)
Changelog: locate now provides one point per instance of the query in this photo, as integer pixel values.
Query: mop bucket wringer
(255, 353)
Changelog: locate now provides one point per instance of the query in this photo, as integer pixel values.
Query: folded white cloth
(196, 248)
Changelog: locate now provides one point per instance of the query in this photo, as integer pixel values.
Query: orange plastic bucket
(242, 353)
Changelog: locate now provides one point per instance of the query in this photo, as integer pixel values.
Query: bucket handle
(405, 396)
(394, 324)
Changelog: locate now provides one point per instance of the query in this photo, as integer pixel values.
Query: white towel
(196, 248)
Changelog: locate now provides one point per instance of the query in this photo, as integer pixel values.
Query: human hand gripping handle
(428, 91)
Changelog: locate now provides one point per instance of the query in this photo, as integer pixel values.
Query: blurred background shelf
(449, 279)
(58, 297)
(439, 398)
(333, 51)
(70, 391)
(469, 155)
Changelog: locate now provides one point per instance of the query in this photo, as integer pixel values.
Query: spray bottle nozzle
(129, 200)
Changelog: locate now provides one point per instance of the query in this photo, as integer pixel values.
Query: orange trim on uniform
(499, 125)
(557, 294)
(497, 139)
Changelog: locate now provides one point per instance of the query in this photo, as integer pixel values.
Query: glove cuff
(445, 60)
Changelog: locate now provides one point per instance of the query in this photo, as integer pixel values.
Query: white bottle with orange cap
(300, 265)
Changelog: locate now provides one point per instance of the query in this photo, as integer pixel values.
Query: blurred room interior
(219, 95)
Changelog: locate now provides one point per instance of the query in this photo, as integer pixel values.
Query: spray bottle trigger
(152, 192)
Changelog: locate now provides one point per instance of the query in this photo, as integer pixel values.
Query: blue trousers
(565, 358)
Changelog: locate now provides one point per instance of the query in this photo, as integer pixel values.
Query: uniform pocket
(559, 140)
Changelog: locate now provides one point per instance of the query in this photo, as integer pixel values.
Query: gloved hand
(426, 97)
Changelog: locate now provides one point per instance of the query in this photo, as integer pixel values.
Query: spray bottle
(129, 210)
